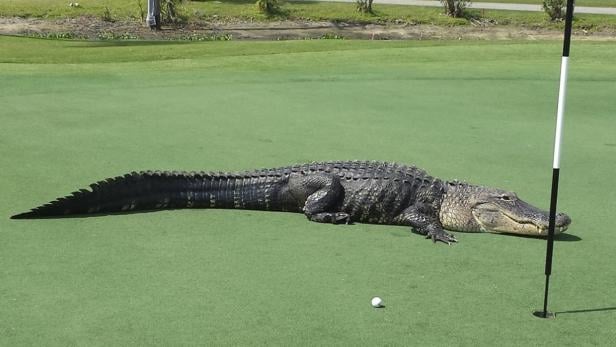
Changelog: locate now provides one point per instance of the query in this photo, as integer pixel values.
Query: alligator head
(473, 208)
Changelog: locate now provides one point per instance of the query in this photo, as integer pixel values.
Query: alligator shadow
(122, 213)
(563, 237)
(95, 215)
(588, 310)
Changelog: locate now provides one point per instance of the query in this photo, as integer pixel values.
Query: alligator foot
(331, 217)
(440, 235)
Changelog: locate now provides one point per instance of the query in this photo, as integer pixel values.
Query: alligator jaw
(538, 226)
(468, 207)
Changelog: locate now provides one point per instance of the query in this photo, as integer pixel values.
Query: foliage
(110, 36)
(328, 36)
(555, 9)
(455, 8)
(55, 36)
(268, 7)
(172, 12)
(212, 37)
(142, 10)
(364, 6)
(107, 16)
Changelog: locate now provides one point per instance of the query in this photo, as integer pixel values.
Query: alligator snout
(562, 221)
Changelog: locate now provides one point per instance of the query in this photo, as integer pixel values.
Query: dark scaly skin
(328, 192)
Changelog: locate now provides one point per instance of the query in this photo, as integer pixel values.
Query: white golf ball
(377, 302)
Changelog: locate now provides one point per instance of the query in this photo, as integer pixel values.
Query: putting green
(76, 112)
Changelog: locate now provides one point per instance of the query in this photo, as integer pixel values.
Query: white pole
(556, 162)
(562, 94)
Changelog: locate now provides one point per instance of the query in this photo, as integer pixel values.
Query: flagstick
(564, 68)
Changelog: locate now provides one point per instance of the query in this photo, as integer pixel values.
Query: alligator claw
(342, 217)
(442, 236)
(331, 217)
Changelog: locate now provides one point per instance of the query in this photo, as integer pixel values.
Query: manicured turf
(76, 112)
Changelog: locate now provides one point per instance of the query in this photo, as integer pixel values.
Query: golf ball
(377, 302)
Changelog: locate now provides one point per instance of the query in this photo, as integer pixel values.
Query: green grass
(342, 12)
(591, 3)
(61, 8)
(75, 112)
(590, 22)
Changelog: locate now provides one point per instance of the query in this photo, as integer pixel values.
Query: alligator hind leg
(324, 194)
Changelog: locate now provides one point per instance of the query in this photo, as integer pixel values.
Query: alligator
(327, 192)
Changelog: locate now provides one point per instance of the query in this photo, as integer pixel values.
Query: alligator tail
(155, 190)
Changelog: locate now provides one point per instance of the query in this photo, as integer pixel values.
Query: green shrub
(455, 8)
(142, 10)
(107, 16)
(555, 9)
(172, 12)
(268, 7)
(111, 36)
(364, 6)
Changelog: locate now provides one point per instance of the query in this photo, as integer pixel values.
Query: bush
(268, 7)
(364, 6)
(172, 12)
(142, 11)
(107, 16)
(455, 8)
(555, 9)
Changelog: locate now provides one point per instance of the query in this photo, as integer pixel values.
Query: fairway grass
(76, 112)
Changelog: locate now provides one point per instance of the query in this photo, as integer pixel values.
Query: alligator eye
(506, 198)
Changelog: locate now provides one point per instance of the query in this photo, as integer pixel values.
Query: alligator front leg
(424, 223)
